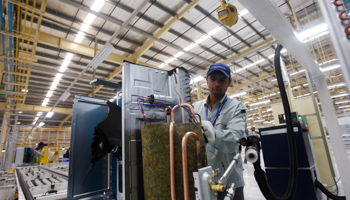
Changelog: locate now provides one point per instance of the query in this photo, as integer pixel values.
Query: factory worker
(224, 124)
(40, 152)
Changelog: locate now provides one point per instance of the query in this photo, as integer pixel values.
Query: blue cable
(165, 104)
(336, 183)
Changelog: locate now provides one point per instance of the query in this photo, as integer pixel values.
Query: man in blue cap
(224, 125)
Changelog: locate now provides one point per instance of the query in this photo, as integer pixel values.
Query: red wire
(138, 105)
(177, 93)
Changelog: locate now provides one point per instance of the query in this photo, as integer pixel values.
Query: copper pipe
(165, 115)
(175, 107)
(171, 146)
(184, 160)
(172, 160)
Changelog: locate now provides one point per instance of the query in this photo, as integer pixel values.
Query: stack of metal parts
(39, 183)
(7, 185)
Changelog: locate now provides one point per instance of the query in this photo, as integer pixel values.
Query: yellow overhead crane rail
(18, 45)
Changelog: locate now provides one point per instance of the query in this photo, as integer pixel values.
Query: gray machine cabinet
(143, 81)
(88, 112)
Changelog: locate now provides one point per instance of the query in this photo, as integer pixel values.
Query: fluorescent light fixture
(56, 81)
(179, 54)
(243, 12)
(46, 100)
(169, 60)
(250, 118)
(97, 5)
(340, 102)
(260, 102)
(269, 109)
(214, 31)
(23, 90)
(196, 79)
(64, 65)
(294, 73)
(64, 96)
(20, 112)
(238, 94)
(250, 65)
(274, 80)
(78, 39)
(38, 115)
(111, 100)
(19, 123)
(312, 32)
(49, 94)
(89, 18)
(49, 114)
(41, 124)
(259, 120)
(346, 110)
(330, 67)
(328, 61)
(85, 27)
(162, 65)
(102, 55)
(336, 84)
(347, 106)
(202, 39)
(69, 56)
(189, 47)
(339, 95)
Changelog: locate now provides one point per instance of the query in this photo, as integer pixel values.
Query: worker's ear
(229, 81)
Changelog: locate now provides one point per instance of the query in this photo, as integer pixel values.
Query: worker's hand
(209, 132)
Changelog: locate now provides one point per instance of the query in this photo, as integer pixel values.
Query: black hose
(259, 174)
(320, 186)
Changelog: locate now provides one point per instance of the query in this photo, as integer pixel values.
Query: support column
(199, 92)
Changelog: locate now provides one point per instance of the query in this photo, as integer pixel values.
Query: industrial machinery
(7, 185)
(39, 182)
(23, 155)
(152, 145)
(274, 143)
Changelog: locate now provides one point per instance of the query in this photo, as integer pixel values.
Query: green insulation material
(156, 159)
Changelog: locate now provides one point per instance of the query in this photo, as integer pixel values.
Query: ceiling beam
(140, 51)
(65, 119)
(36, 108)
(68, 45)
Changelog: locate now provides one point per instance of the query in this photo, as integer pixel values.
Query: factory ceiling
(54, 41)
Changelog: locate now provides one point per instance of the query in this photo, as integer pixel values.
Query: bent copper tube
(184, 160)
(165, 115)
(171, 146)
(172, 160)
(175, 107)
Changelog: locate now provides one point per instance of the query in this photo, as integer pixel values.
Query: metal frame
(271, 17)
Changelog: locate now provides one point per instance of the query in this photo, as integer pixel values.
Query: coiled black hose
(320, 186)
(259, 174)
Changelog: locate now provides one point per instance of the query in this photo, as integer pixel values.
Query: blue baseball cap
(219, 67)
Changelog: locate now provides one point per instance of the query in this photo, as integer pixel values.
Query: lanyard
(218, 112)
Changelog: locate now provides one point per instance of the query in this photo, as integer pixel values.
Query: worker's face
(218, 83)
(253, 128)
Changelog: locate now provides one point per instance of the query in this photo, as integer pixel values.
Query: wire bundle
(141, 102)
